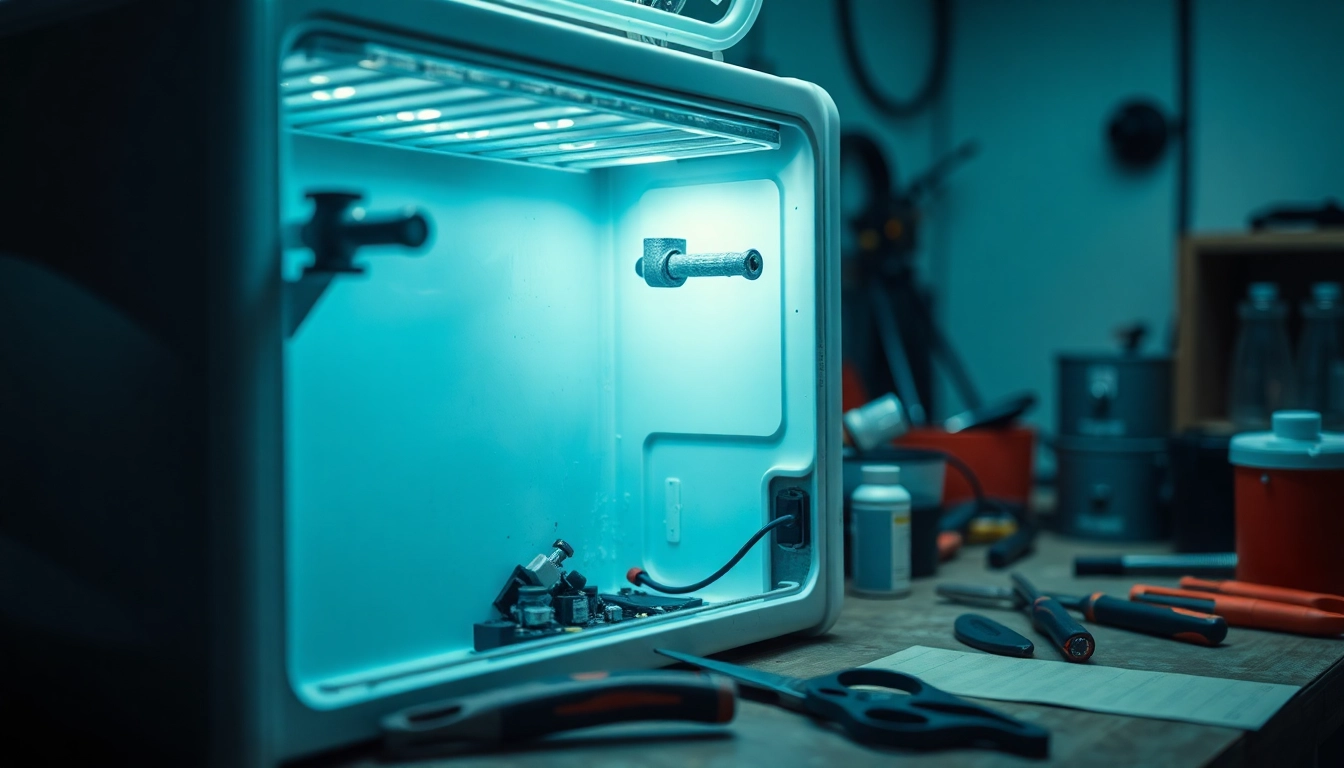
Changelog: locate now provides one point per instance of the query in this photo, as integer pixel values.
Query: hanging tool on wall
(879, 280)
(936, 75)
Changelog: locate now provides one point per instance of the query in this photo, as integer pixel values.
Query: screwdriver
(1318, 600)
(1052, 620)
(1245, 611)
(1159, 620)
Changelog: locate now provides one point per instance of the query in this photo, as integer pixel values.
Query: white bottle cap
(881, 474)
(877, 423)
(1297, 442)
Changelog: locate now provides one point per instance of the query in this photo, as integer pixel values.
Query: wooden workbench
(871, 629)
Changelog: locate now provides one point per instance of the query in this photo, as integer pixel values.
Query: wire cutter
(926, 718)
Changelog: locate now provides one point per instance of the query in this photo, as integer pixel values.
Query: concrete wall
(1042, 243)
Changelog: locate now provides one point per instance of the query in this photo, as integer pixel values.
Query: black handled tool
(1175, 624)
(1010, 549)
(533, 710)
(1162, 621)
(1211, 564)
(990, 636)
(1053, 620)
(921, 718)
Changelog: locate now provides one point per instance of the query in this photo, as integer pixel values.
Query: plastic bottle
(880, 533)
(1320, 356)
(1262, 365)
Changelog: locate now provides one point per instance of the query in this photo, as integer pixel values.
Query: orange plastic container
(1002, 459)
(1290, 504)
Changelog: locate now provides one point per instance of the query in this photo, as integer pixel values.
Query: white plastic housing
(657, 24)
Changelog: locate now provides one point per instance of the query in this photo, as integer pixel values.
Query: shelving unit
(342, 88)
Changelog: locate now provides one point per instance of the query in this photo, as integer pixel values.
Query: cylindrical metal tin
(1112, 489)
(1120, 396)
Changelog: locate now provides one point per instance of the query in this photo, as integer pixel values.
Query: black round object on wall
(1138, 133)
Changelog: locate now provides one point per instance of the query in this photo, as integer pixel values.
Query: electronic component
(792, 502)
(534, 607)
(543, 571)
(572, 610)
(642, 602)
(542, 599)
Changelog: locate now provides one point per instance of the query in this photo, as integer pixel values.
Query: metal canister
(1112, 489)
(1114, 395)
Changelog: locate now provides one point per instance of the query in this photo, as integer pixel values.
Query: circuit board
(543, 599)
(573, 613)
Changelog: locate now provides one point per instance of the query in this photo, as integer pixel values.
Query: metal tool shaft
(666, 264)
(734, 264)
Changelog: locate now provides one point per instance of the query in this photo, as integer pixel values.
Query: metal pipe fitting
(666, 264)
(562, 550)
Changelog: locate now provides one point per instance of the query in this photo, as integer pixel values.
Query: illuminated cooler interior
(371, 93)
(449, 415)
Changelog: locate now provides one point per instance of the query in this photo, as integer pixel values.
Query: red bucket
(1290, 504)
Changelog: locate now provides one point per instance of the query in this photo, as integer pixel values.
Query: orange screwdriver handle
(1245, 611)
(1318, 600)
(949, 542)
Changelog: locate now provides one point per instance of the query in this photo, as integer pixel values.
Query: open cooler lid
(707, 25)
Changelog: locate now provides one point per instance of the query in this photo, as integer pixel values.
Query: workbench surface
(871, 629)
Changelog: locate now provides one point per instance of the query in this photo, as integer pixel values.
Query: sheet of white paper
(1134, 692)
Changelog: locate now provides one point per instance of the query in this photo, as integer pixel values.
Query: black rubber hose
(933, 80)
(1184, 70)
(638, 577)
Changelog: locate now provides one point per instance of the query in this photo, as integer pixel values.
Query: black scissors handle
(927, 718)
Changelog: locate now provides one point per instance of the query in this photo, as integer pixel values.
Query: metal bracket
(666, 264)
(334, 235)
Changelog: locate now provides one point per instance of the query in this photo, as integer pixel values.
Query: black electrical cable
(1184, 65)
(969, 476)
(933, 80)
(638, 577)
(957, 520)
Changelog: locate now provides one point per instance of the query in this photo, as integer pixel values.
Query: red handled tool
(537, 709)
(1159, 620)
(1245, 611)
(1317, 600)
(1164, 621)
(949, 543)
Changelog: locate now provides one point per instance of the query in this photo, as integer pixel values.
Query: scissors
(927, 718)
